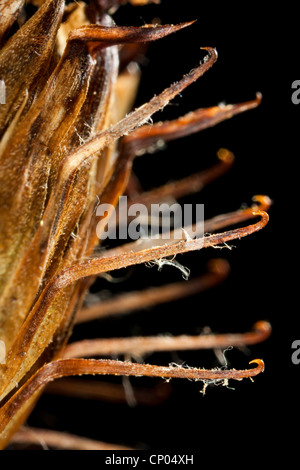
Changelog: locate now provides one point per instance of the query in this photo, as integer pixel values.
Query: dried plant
(66, 140)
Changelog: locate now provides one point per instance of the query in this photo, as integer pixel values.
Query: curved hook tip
(225, 155)
(260, 364)
(262, 325)
(258, 97)
(264, 202)
(211, 50)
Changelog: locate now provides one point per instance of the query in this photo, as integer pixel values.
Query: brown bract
(66, 141)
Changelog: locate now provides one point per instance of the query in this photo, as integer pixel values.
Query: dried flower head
(68, 139)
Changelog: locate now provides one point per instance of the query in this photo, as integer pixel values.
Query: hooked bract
(69, 137)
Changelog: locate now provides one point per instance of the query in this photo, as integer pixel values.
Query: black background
(257, 52)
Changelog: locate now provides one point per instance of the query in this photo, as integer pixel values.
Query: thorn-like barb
(233, 218)
(124, 34)
(138, 346)
(139, 116)
(188, 185)
(71, 367)
(108, 392)
(216, 239)
(218, 270)
(146, 137)
(60, 440)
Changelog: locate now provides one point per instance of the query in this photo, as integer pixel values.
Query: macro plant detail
(68, 140)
